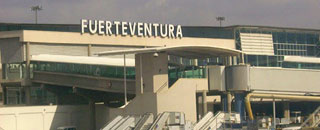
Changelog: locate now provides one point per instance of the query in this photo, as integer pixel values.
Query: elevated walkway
(82, 81)
(248, 78)
(93, 73)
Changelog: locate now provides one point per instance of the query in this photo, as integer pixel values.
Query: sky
(280, 13)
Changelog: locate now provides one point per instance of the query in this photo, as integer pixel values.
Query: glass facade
(15, 95)
(85, 69)
(185, 72)
(286, 42)
(296, 43)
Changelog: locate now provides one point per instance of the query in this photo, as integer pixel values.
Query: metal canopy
(193, 51)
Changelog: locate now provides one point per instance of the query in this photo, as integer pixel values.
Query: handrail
(162, 87)
(310, 117)
(211, 120)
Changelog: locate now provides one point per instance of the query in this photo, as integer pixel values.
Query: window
(291, 37)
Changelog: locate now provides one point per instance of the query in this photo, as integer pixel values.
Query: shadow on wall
(68, 116)
(44, 117)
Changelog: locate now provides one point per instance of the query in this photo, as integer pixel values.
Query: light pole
(220, 19)
(36, 9)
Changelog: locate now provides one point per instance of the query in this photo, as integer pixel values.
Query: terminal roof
(193, 51)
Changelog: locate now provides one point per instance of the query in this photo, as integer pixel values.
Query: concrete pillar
(286, 110)
(92, 111)
(4, 71)
(27, 75)
(224, 102)
(4, 95)
(239, 104)
(242, 58)
(274, 113)
(229, 98)
(27, 90)
(198, 106)
(234, 60)
(204, 103)
(229, 60)
(28, 58)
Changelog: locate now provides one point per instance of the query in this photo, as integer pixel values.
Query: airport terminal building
(123, 68)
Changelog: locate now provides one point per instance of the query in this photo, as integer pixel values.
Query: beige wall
(181, 97)
(154, 72)
(157, 97)
(43, 117)
(77, 38)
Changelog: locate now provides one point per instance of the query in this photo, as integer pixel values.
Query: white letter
(163, 34)
(132, 29)
(140, 29)
(100, 26)
(94, 30)
(155, 25)
(117, 26)
(179, 31)
(171, 29)
(83, 25)
(124, 28)
(108, 28)
(147, 29)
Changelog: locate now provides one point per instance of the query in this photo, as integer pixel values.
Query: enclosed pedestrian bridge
(264, 79)
(93, 73)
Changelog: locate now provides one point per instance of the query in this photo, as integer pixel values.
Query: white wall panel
(257, 44)
(58, 49)
(44, 117)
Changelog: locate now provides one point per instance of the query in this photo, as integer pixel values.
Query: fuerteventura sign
(103, 27)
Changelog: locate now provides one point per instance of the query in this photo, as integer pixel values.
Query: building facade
(45, 64)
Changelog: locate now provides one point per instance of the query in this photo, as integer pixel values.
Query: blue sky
(284, 13)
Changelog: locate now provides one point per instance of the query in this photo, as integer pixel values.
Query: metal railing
(313, 120)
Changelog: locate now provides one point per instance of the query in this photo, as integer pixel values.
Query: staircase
(313, 120)
(210, 121)
(121, 123)
(145, 122)
(164, 121)
(214, 122)
(171, 121)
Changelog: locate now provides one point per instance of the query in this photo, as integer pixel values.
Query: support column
(239, 102)
(4, 95)
(234, 60)
(286, 110)
(125, 79)
(28, 58)
(4, 71)
(92, 111)
(242, 58)
(224, 102)
(204, 103)
(27, 76)
(229, 60)
(274, 113)
(198, 106)
(229, 98)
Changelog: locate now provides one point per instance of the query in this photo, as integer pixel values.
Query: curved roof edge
(192, 51)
